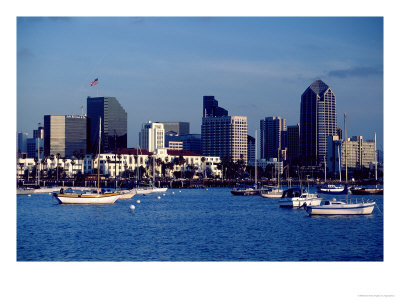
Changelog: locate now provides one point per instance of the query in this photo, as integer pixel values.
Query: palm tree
(108, 164)
(58, 157)
(72, 164)
(21, 166)
(203, 159)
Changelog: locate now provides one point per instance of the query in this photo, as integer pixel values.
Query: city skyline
(159, 69)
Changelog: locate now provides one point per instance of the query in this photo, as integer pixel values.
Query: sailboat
(247, 190)
(94, 197)
(369, 191)
(334, 207)
(332, 188)
(275, 192)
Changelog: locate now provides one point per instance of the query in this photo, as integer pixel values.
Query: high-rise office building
(211, 108)
(66, 135)
(152, 136)
(22, 142)
(224, 136)
(177, 128)
(317, 122)
(360, 153)
(293, 143)
(271, 137)
(251, 150)
(190, 142)
(113, 123)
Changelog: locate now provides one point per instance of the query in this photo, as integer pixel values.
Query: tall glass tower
(317, 122)
(113, 123)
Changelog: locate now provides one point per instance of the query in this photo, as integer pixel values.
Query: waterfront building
(251, 149)
(317, 122)
(360, 153)
(224, 137)
(293, 143)
(65, 135)
(152, 136)
(177, 128)
(190, 142)
(272, 137)
(113, 124)
(211, 108)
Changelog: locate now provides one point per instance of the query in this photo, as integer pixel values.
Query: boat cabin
(293, 192)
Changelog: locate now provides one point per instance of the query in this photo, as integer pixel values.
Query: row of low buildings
(129, 159)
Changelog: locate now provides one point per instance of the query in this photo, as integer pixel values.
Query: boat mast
(345, 143)
(98, 160)
(325, 167)
(340, 170)
(376, 162)
(255, 158)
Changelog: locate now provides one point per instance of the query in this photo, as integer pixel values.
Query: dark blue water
(192, 225)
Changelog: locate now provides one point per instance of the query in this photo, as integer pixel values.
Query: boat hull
(366, 191)
(299, 202)
(87, 198)
(245, 192)
(127, 195)
(346, 209)
(272, 194)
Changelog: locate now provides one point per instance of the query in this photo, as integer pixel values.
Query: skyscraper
(271, 134)
(152, 136)
(317, 122)
(65, 135)
(113, 123)
(179, 128)
(293, 143)
(222, 135)
(211, 108)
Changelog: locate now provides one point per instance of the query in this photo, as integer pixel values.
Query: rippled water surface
(192, 225)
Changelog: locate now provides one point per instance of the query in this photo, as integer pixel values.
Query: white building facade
(152, 136)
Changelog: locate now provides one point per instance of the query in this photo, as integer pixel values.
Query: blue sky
(160, 68)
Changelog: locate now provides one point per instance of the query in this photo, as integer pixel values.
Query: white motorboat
(296, 197)
(332, 189)
(271, 193)
(334, 207)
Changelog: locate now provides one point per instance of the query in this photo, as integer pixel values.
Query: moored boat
(96, 197)
(297, 197)
(87, 198)
(332, 189)
(334, 207)
(271, 193)
(127, 194)
(245, 190)
(366, 191)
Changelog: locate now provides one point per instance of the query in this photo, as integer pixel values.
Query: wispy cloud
(25, 52)
(355, 72)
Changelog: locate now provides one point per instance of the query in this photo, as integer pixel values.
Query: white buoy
(163, 194)
(132, 207)
(173, 193)
(206, 189)
(29, 195)
(137, 201)
(180, 191)
(158, 197)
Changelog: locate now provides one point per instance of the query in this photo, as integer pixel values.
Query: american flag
(94, 82)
